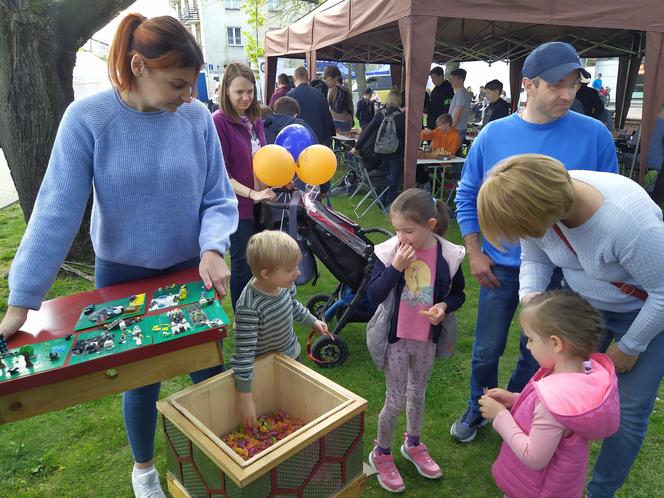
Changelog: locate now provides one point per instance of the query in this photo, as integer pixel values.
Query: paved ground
(8, 193)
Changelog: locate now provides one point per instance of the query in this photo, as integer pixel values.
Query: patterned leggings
(407, 368)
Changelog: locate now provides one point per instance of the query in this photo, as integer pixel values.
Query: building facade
(220, 26)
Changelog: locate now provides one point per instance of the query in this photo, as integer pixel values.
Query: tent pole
(418, 36)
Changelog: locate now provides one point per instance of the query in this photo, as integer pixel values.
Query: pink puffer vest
(585, 403)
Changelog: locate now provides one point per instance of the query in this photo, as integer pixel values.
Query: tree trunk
(360, 78)
(38, 43)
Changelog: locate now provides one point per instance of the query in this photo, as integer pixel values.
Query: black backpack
(340, 102)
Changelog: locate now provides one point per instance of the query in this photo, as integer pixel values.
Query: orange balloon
(274, 165)
(316, 164)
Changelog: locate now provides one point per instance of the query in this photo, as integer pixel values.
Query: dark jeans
(394, 175)
(494, 315)
(240, 271)
(139, 406)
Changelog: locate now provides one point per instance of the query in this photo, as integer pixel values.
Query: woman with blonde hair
(241, 133)
(607, 236)
(392, 162)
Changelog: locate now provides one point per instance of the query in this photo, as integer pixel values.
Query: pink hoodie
(587, 404)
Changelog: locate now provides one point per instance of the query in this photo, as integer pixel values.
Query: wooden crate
(321, 459)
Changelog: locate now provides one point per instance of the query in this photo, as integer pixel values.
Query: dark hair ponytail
(417, 205)
(163, 42)
(441, 216)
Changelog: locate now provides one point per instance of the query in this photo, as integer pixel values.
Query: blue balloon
(295, 138)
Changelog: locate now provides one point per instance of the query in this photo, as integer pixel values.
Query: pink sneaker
(424, 464)
(388, 476)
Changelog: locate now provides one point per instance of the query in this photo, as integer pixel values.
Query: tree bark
(360, 78)
(38, 43)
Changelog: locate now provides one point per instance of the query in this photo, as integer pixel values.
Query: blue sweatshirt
(578, 141)
(656, 146)
(161, 192)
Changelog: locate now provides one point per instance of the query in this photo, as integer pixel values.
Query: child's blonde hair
(565, 314)
(444, 119)
(523, 196)
(270, 250)
(417, 205)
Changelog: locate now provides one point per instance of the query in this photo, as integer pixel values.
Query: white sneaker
(147, 485)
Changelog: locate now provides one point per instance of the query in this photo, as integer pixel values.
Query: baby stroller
(343, 247)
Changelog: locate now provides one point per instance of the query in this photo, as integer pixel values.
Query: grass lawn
(82, 451)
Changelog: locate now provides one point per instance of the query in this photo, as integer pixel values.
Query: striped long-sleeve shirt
(264, 324)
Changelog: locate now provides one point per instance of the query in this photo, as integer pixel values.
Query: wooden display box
(321, 459)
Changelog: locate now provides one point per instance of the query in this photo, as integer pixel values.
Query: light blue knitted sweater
(161, 192)
(622, 242)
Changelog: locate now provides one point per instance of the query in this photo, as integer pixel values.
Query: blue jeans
(139, 406)
(240, 271)
(494, 315)
(638, 389)
(342, 125)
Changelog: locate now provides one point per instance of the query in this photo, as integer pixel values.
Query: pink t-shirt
(417, 295)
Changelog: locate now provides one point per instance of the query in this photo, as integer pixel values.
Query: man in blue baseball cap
(550, 78)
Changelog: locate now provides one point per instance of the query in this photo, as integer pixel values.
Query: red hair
(163, 42)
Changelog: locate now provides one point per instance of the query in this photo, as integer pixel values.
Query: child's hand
(490, 408)
(248, 410)
(320, 327)
(502, 396)
(405, 256)
(436, 313)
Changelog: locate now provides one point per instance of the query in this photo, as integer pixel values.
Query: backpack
(340, 102)
(387, 141)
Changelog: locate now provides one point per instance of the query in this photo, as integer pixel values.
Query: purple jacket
(236, 147)
(278, 93)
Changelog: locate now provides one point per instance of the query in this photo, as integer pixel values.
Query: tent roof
(367, 30)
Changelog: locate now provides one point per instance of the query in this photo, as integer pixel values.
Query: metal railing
(189, 15)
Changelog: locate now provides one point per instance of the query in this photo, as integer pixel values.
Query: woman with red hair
(162, 200)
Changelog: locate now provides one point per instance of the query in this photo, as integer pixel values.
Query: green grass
(82, 451)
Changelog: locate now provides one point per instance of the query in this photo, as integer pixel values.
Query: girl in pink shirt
(418, 284)
(573, 398)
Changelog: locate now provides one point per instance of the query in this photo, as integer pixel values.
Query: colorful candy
(270, 429)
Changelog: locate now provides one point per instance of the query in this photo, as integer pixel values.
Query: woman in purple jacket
(241, 133)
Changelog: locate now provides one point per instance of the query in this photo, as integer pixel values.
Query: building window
(233, 4)
(274, 5)
(234, 36)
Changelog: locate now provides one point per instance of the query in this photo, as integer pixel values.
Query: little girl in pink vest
(572, 399)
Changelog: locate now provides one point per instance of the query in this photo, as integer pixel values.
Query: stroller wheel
(331, 352)
(317, 304)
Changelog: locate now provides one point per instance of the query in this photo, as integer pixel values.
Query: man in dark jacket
(497, 107)
(590, 100)
(440, 98)
(286, 110)
(365, 108)
(313, 107)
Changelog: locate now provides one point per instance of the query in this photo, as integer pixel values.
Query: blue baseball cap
(552, 62)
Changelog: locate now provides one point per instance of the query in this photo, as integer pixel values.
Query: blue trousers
(495, 312)
(638, 389)
(139, 406)
(394, 168)
(240, 271)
